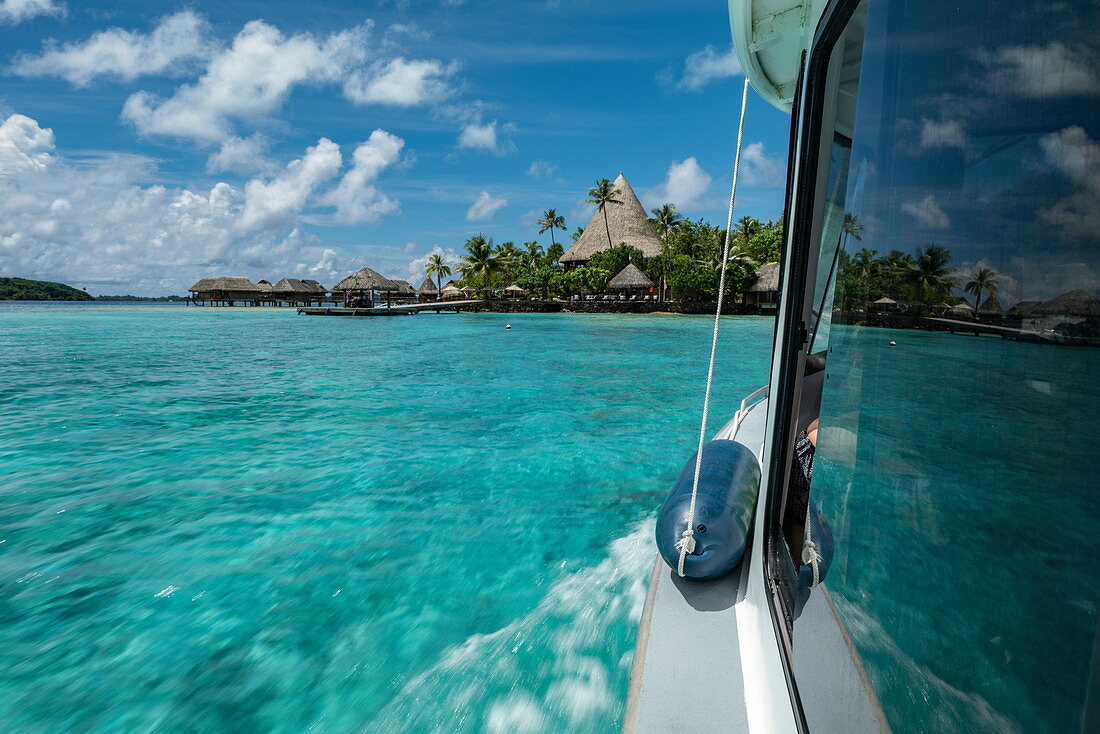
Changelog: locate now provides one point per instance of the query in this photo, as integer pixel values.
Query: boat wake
(544, 672)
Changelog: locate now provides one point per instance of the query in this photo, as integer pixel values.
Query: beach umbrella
(630, 278)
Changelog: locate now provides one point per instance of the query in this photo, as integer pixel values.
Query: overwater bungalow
(363, 284)
(405, 291)
(266, 291)
(627, 223)
(295, 291)
(225, 290)
(631, 281)
(764, 292)
(428, 290)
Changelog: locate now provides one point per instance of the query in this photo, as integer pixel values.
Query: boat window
(951, 360)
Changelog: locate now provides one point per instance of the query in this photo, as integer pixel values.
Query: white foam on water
(563, 666)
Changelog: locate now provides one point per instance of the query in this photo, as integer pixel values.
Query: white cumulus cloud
(485, 207)
(123, 54)
(241, 155)
(356, 199)
(272, 203)
(685, 185)
(250, 79)
(927, 212)
(104, 222)
(760, 169)
(479, 136)
(401, 82)
(17, 11)
(24, 145)
(1075, 155)
(1053, 70)
(706, 66)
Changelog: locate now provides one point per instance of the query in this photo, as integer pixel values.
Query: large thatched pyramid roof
(991, 306)
(365, 279)
(428, 287)
(296, 287)
(628, 223)
(630, 277)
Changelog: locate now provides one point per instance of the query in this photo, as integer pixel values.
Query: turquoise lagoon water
(245, 520)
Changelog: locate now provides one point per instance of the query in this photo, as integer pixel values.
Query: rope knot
(686, 543)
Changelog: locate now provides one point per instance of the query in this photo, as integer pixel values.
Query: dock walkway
(405, 309)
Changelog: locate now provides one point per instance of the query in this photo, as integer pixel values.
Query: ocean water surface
(246, 520)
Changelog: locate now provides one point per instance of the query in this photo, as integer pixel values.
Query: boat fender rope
(810, 553)
(686, 544)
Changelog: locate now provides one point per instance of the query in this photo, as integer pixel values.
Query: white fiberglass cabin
(939, 319)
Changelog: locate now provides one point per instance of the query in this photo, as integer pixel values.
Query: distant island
(21, 289)
(181, 299)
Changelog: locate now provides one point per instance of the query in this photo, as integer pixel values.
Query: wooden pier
(404, 309)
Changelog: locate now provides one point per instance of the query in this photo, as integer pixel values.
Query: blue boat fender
(729, 484)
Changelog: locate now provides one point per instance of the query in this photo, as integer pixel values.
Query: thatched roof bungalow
(428, 288)
(764, 292)
(365, 280)
(451, 293)
(225, 288)
(1071, 303)
(627, 223)
(631, 278)
(404, 289)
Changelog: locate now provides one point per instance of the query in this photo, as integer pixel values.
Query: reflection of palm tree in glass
(930, 272)
(984, 280)
(551, 220)
(437, 266)
(602, 194)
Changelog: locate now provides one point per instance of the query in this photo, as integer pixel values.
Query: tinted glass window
(960, 406)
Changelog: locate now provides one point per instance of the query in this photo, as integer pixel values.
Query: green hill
(21, 289)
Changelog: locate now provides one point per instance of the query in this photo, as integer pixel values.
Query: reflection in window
(960, 400)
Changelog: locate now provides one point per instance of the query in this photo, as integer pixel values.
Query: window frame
(792, 332)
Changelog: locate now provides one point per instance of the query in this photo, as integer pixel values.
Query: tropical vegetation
(22, 289)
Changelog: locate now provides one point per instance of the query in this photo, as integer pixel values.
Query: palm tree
(508, 256)
(437, 266)
(551, 220)
(667, 219)
(984, 280)
(602, 194)
(930, 271)
(851, 228)
(480, 260)
(533, 254)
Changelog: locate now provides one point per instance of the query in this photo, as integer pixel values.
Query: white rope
(686, 544)
(809, 551)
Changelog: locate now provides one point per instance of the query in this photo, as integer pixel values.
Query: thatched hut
(627, 223)
(404, 291)
(428, 289)
(363, 283)
(1074, 303)
(991, 308)
(293, 290)
(1022, 309)
(514, 291)
(451, 293)
(630, 278)
(764, 292)
(225, 289)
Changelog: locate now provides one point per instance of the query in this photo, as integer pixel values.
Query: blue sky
(144, 145)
